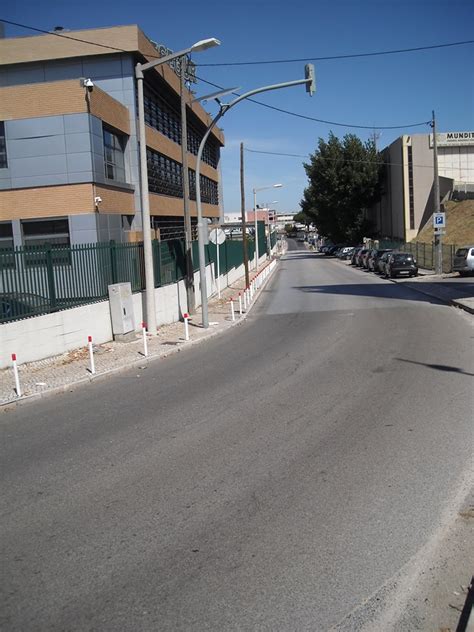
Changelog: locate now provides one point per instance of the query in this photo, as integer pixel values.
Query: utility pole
(188, 239)
(438, 232)
(244, 223)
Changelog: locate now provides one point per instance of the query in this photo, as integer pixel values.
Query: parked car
(366, 257)
(381, 261)
(400, 263)
(346, 252)
(464, 261)
(374, 257)
(360, 256)
(355, 254)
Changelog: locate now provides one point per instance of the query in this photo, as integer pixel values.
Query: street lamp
(145, 196)
(271, 186)
(309, 81)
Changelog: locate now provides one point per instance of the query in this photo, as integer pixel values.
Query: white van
(464, 260)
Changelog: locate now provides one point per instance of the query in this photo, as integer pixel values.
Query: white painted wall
(53, 334)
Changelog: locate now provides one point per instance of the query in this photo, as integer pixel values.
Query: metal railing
(38, 280)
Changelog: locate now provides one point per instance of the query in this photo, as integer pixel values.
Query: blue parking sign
(439, 220)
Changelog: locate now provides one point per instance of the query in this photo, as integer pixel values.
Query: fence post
(113, 260)
(50, 276)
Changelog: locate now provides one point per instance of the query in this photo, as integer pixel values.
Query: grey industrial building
(407, 193)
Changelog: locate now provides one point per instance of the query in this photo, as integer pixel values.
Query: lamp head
(204, 44)
(277, 186)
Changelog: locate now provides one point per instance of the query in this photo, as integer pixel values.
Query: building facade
(69, 154)
(407, 201)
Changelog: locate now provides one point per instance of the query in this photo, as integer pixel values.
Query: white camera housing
(98, 200)
(88, 83)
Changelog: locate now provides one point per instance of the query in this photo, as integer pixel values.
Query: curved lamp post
(145, 196)
(309, 81)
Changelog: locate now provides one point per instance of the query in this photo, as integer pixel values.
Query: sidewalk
(60, 373)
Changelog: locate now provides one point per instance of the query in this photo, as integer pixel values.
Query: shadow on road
(438, 367)
(385, 290)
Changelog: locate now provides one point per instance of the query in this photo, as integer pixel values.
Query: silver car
(464, 260)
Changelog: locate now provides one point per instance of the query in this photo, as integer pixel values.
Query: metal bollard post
(240, 303)
(91, 354)
(17, 377)
(186, 326)
(145, 341)
(232, 309)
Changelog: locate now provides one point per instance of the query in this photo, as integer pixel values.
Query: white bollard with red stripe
(145, 341)
(245, 299)
(17, 377)
(186, 326)
(240, 303)
(91, 354)
(232, 312)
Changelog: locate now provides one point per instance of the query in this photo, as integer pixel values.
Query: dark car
(366, 258)
(401, 263)
(374, 257)
(21, 305)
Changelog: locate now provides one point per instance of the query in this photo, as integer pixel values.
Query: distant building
(69, 159)
(407, 194)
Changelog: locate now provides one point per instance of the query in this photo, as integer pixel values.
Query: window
(6, 235)
(114, 155)
(7, 258)
(209, 188)
(3, 147)
(165, 175)
(37, 234)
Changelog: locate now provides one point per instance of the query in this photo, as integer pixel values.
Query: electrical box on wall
(121, 309)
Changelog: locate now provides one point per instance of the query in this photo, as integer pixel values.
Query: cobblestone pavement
(60, 372)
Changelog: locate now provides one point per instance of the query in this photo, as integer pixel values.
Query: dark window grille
(411, 192)
(164, 118)
(3, 147)
(50, 232)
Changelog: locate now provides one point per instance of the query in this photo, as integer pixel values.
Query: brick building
(63, 148)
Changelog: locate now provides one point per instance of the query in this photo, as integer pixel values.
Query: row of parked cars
(388, 262)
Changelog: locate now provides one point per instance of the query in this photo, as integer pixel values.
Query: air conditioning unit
(121, 309)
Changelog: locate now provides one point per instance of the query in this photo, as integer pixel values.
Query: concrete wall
(53, 334)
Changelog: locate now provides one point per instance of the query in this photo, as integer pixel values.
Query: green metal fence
(424, 253)
(41, 279)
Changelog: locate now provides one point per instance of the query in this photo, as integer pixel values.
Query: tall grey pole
(145, 199)
(256, 227)
(187, 215)
(438, 235)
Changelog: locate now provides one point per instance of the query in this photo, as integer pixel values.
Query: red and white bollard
(91, 354)
(186, 326)
(240, 303)
(145, 341)
(245, 299)
(17, 377)
(232, 312)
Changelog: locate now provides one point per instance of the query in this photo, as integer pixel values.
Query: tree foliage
(303, 218)
(343, 183)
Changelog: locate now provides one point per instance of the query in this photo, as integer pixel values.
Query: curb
(24, 399)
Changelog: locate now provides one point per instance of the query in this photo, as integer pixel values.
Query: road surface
(274, 478)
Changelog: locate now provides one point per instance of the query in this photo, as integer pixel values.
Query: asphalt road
(271, 479)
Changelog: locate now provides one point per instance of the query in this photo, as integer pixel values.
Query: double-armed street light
(271, 186)
(145, 196)
(310, 83)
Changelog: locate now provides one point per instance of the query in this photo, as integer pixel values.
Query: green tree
(303, 218)
(343, 183)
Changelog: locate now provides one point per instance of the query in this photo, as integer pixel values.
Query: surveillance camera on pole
(310, 76)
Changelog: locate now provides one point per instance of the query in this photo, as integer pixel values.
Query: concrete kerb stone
(145, 360)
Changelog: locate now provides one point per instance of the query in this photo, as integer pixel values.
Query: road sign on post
(311, 76)
(439, 220)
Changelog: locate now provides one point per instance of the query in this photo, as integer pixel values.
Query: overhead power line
(312, 118)
(371, 162)
(335, 57)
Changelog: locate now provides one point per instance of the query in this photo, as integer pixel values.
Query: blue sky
(379, 91)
